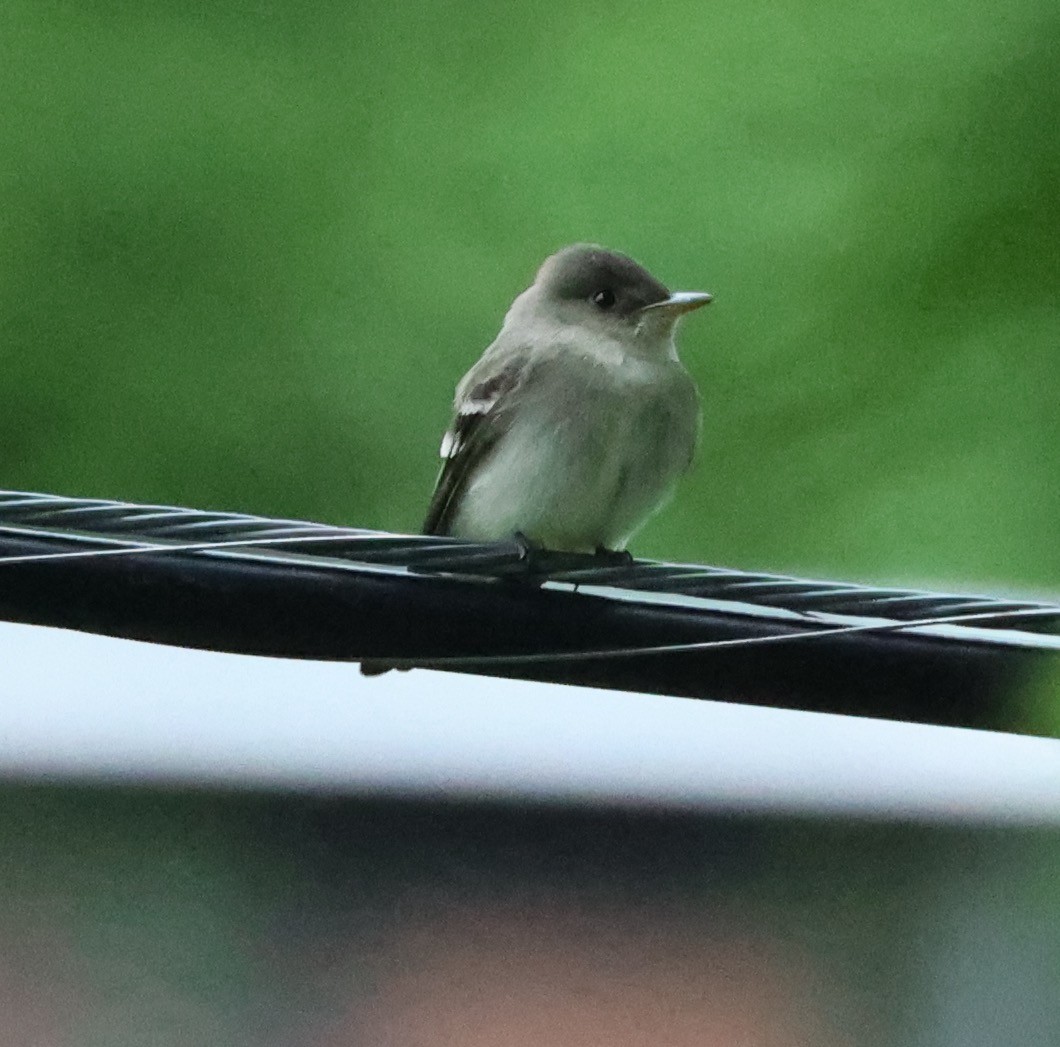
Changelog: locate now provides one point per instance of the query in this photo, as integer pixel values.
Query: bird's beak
(682, 302)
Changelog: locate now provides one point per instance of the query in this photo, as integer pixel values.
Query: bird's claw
(614, 557)
(530, 554)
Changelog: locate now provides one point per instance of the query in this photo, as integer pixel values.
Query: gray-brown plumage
(578, 420)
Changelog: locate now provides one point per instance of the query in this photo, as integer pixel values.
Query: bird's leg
(530, 554)
(614, 557)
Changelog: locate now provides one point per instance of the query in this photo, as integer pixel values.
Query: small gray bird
(577, 422)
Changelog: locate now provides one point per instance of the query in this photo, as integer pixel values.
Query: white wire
(133, 547)
(705, 645)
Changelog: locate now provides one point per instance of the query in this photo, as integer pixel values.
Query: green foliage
(247, 250)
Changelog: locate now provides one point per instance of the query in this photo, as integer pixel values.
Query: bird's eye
(604, 299)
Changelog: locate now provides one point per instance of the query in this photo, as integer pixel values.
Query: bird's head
(608, 294)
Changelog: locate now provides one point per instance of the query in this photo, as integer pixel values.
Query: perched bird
(576, 423)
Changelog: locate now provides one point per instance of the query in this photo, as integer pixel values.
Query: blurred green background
(246, 251)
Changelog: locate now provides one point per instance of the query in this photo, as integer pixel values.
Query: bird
(577, 422)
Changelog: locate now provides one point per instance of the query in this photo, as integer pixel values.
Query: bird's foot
(535, 561)
(614, 557)
(530, 554)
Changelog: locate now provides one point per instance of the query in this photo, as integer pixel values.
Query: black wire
(491, 554)
(142, 547)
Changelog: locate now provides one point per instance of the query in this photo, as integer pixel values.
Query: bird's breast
(587, 458)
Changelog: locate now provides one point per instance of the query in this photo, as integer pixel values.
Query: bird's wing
(482, 416)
